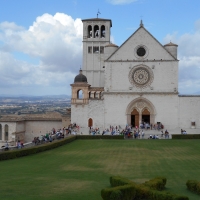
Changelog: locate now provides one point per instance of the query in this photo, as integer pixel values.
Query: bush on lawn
(124, 192)
(156, 183)
(125, 189)
(119, 181)
(193, 185)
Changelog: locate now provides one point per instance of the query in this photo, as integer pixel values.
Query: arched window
(96, 31)
(0, 132)
(103, 31)
(90, 122)
(80, 94)
(6, 132)
(89, 31)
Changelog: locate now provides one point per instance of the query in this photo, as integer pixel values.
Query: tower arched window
(80, 94)
(103, 31)
(96, 31)
(89, 95)
(89, 31)
(6, 132)
(0, 132)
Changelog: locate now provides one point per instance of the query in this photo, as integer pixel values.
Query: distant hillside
(21, 96)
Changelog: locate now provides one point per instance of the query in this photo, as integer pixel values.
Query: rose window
(141, 76)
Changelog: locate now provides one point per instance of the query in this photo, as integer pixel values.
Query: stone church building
(133, 83)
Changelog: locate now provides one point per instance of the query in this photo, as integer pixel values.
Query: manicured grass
(80, 170)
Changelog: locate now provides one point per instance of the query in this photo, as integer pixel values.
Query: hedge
(121, 137)
(156, 183)
(125, 189)
(119, 181)
(187, 136)
(124, 192)
(36, 149)
(193, 186)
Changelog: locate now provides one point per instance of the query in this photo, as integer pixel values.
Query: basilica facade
(130, 84)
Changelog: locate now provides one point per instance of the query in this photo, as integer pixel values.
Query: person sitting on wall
(184, 132)
(157, 137)
(162, 133)
(181, 131)
(22, 144)
(142, 134)
(6, 146)
(19, 144)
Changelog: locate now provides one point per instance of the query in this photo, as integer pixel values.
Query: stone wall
(40, 127)
(189, 111)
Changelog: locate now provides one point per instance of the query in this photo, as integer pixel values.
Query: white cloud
(189, 56)
(120, 2)
(55, 41)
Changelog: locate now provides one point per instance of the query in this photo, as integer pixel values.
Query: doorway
(135, 118)
(90, 122)
(146, 116)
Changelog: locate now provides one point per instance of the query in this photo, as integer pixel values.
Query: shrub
(188, 136)
(124, 192)
(193, 185)
(156, 183)
(125, 189)
(116, 195)
(99, 137)
(119, 181)
(36, 149)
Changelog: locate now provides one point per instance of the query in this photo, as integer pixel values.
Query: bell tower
(96, 35)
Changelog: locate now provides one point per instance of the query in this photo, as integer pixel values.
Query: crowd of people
(132, 132)
(56, 134)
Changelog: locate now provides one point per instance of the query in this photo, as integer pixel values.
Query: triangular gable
(141, 37)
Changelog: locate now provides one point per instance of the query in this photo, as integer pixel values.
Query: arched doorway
(146, 116)
(90, 122)
(142, 109)
(135, 118)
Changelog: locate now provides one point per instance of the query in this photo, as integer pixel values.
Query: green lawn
(79, 170)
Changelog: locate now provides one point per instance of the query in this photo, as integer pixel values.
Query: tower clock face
(141, 76)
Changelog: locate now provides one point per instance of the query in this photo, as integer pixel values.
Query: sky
(41, 40)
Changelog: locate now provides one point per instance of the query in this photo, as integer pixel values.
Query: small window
(141, 51)
(101, 49)
(95, 49)
(89, 49)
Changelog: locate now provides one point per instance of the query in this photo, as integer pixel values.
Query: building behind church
(127, 85)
